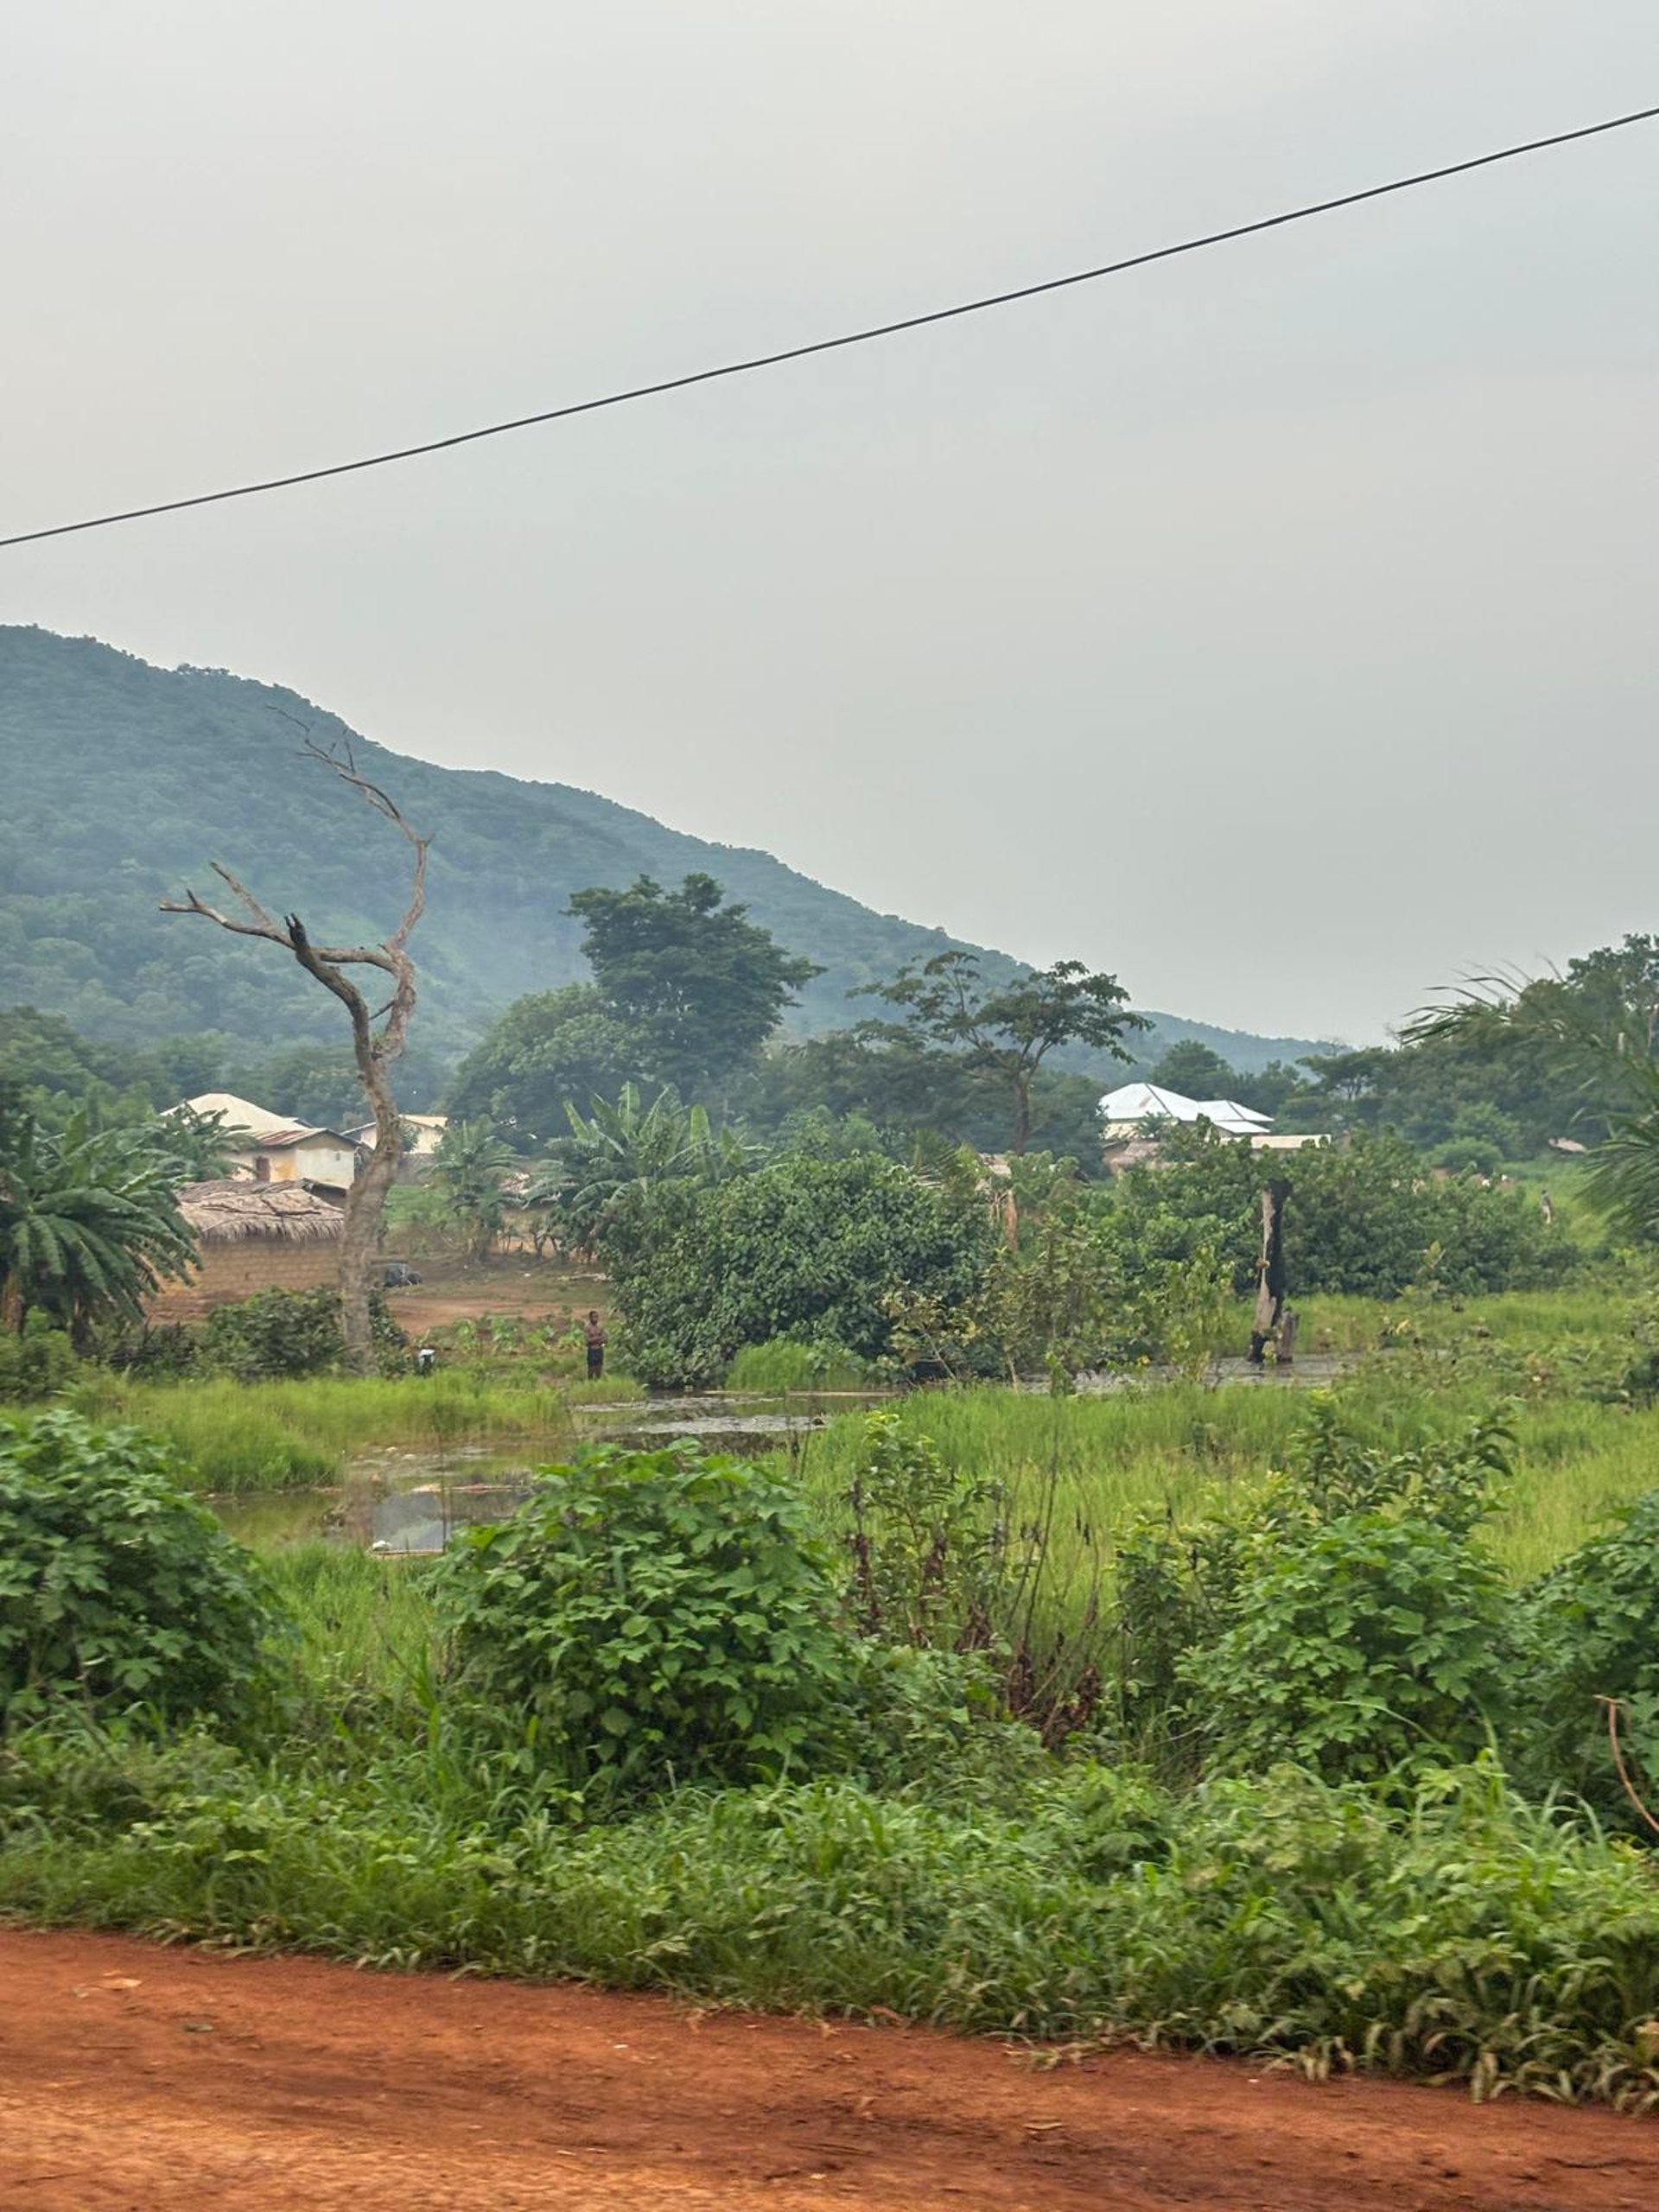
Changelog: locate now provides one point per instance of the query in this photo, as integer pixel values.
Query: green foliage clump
(1359, 1643)
(809, 1249)
(38, 1363)
(790, 1363)
(278, 1333)
(922, 1540)
(1339, 1615)
(1591, 1633)
(116, 1588)
(663, 1614)
(703, 984)
(89, 1220)
(1368, 1220)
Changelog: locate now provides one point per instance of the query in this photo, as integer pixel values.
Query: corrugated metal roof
(1134, 1102)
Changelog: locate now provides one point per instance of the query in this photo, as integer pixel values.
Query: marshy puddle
(409, 1505)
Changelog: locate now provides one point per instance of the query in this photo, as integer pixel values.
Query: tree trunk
(365, 1206)
(1022, 1114)
(1270, 1271)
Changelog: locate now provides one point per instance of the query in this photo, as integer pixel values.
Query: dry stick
(1613, 1706)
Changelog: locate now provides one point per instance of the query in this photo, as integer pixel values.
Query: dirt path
(134, 2078)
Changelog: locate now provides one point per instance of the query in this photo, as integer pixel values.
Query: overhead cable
(865, 336)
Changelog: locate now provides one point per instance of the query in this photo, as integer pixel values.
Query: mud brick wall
(236, 1268)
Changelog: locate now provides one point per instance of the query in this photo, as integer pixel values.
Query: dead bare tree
(375, 1048)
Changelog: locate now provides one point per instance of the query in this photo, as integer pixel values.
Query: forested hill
(121, 781)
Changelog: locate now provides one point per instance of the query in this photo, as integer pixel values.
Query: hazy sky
(1276, 627)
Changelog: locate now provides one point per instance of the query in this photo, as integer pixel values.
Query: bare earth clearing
(136, 2079)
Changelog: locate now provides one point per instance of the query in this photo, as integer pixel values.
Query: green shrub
(1592, 1634)
(115, 1587)
(813, 1249)
(921, 1538)
(1362, 1218)
(1358, 1643)
(38, 1363)
(662, 1614)
(788, 1364)
(278, 1333)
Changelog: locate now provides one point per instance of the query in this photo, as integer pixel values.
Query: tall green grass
(783, 1365)
(1094, 1463)
(250, 1436)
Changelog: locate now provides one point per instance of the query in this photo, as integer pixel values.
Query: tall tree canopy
(548, 1051)
(1009, 1029)
(1591, 1036)
(1197, 1070)
(705, 985)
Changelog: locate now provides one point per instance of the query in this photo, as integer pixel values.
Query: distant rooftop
(240, 1113)
(1133, 1104)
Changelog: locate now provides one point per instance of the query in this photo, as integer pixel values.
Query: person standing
(593, 1336)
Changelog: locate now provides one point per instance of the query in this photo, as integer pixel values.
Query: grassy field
(251, 1436)
(1419, 1375)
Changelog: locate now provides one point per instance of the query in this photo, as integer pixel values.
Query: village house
(422, 1134)
(1132, 1116)
(269, 1147)
(250, 1237)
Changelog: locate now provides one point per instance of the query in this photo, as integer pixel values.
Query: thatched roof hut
(252, 1236)
(232, 1209)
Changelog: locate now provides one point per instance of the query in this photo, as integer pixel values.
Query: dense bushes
(1592, 1634)
(808, 1248)
(1358, 1643)
(521, 1805)
(663, 1614)
(115, 1588)
(1341, 1615)
(36, 1363)
(1370, 1220)
(285, 1332)
(1461, 1934)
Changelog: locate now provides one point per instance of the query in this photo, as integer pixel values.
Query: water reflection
(425, 1520)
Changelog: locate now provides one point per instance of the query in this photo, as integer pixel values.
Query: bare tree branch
(373, 1052)
(345, 766)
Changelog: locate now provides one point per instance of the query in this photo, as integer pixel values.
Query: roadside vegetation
(1316, 1778)
(1080, 1686)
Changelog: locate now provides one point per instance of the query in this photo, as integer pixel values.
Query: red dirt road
(135, 2079)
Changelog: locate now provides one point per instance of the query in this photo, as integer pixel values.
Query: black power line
(847, 338)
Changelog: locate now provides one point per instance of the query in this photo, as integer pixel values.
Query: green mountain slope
(121, 781)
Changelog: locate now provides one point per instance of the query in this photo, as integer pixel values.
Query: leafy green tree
(1362, 1218)
(1009, 1029)
(817, 1250)
(1595, 1031)
(1197, 1070)
(470, 1170)
(626, 1152)
(549, 1050)
(89, 1222)
(705, 984)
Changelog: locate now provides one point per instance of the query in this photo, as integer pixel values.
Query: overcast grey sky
(1276, 627)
